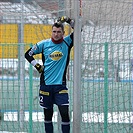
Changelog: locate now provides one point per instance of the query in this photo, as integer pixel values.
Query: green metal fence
(106, 92)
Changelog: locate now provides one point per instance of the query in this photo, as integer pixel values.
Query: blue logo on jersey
(56, 55)
(32, 50)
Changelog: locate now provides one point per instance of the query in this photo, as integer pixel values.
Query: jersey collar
(57, 42)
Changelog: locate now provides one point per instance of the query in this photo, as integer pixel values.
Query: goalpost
(99, 73)
(77, 69)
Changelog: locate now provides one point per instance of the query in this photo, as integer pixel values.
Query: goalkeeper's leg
(48, 113)
(64, 111)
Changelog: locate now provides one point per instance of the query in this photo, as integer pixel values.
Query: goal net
(106, 64)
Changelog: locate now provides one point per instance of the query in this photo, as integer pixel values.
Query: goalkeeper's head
(57, 32)
(58, 25)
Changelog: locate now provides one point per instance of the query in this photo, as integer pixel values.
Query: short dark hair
(58, 25)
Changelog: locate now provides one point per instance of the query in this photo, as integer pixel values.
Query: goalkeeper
(55, 57)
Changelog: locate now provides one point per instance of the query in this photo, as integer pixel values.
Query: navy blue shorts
(53, 94)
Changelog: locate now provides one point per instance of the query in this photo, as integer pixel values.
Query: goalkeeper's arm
(30, 59)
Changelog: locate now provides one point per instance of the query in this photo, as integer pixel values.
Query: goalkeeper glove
(39, 68)
(67, 20)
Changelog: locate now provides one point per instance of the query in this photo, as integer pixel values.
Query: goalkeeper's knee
(64, 111)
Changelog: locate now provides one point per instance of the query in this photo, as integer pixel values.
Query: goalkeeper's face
(57, 33)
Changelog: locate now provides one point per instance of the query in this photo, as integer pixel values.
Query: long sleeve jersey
(55, 58)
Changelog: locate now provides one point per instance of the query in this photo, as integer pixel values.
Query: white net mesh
(106, 63)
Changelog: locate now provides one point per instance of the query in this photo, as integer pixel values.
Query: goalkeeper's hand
(39, 68)
(67, 20)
